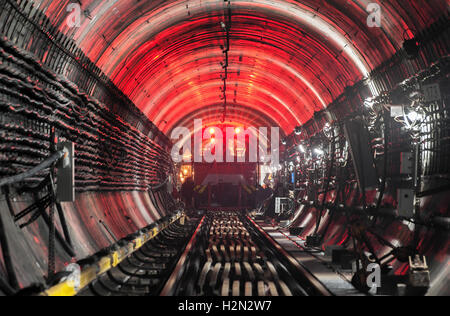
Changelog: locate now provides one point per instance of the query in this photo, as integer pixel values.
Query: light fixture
(413, 116)
(328, 130)
(284, 142)
(212, 131)
(369, 103)
(302, 148)
(298, 130)
(237, 130)
(319, 152)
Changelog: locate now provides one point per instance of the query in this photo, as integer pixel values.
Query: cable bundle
(110, 154)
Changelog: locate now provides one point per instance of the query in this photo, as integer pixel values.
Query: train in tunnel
(224, 148)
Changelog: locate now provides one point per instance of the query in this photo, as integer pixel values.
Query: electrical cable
(42, 166)
(7, 258)
(385, 165)
(327, 187)
(135, 156)
(333, 213)
(160, 186)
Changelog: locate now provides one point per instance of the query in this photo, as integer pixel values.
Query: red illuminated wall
(95, 221)
(288, 58)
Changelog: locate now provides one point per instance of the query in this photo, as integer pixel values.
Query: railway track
(230, 256)
(146, 271)
(227, 255)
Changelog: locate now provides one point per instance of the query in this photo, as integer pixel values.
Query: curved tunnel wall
(157, 53)
(343, 215)
(296, 56)
(431, 236)
(433, 240)
(47, 83)
(96, 221)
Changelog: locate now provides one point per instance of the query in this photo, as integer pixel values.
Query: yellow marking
(116, 261)
(138, 243)
(91, 273)
(87, 276)
(104, 265)
(63, 289)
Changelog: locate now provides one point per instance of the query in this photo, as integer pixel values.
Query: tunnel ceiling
(287, 59)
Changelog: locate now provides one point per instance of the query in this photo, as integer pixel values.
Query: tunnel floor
(223, 254)
(145, 272)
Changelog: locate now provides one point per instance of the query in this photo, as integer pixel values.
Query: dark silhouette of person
(187, 193)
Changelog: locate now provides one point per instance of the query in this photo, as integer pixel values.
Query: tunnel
(224, 148)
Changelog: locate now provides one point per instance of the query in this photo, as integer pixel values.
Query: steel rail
(180, 267)
(318, 288)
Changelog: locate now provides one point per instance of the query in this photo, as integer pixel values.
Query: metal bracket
(65, 191)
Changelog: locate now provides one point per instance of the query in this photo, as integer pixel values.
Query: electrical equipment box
(313, 241)
(281, 205)
(397, 110)
(407, 163)
(65, 191)
(343, 258)
(363, 161)
(419, 273)
(329, 249)
(296, 231)
(406, 203)
(432, 92)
